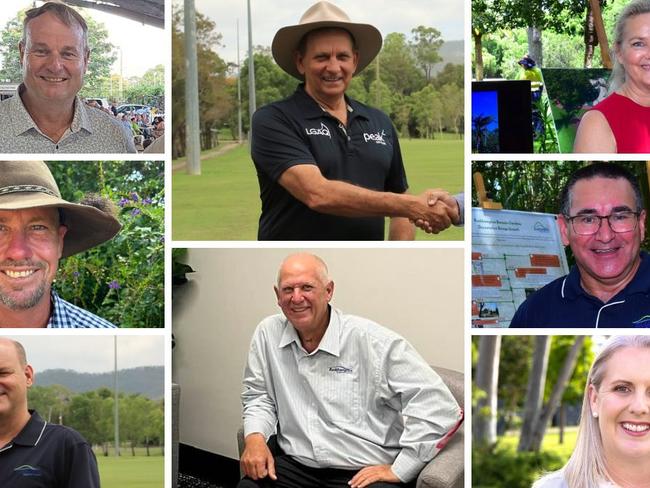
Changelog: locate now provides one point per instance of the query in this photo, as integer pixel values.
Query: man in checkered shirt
(37, 228)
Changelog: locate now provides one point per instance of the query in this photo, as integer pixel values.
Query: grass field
(223, 202)
(550, 443)
(131, 472)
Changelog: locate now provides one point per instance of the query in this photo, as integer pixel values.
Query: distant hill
(450, 52)
(147, 380)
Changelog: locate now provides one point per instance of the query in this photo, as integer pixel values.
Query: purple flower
(136, 211)
(76, 274)
(114, 285)
(123, 201)
(134, 196)
(146, 201)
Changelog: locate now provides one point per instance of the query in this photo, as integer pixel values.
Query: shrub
(121, 280)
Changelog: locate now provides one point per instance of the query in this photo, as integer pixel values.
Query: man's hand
(373, 474)
(442, 211)
(256, 460)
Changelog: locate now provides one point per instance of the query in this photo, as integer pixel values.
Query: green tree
(148, 89)
(380, 96)
(452, 99)
(427, 111)
(271, 83)
(215, 101)
(51, 402)
(102, 53)
(397, 65)
(451, 74)
(486, 18)
(136, 419)
(426, 44)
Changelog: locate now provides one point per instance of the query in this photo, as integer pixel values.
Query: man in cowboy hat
(37, 228)
(34, 452)
(329, 167)
(46, 115)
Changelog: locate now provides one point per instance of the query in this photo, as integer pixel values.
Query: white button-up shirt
(363, 397)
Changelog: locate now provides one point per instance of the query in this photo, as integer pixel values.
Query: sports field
(223, 202)
(131, 472)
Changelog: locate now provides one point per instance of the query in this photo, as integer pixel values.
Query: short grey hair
(65, 14)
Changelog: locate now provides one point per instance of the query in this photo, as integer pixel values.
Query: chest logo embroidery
(643, 322)
(340, 369)
(322, 131)
(377, 138)
(27, 470)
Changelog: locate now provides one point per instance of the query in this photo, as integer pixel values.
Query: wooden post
(481, 193)
(600, 32)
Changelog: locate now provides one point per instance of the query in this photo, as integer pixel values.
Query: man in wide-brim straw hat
(37, 228)
(329, 167)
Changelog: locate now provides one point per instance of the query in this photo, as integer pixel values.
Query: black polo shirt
(298, 131)
(45, 455)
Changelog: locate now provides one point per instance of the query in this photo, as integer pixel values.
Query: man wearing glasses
(603, 220)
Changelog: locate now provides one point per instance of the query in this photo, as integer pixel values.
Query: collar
(23, 121)
(331, 341)
(57, 310)
(312, 110)
(32, 432)
(572, 289)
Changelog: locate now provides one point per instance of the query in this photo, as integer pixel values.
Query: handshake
(435, 211)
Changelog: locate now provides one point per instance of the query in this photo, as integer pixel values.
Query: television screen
(502, 117)
(485, 122)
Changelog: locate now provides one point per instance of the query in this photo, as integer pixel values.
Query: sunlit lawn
(223, 202)
(127, 471)
(551, 441)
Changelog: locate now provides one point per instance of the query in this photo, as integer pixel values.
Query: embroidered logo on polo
(643, 322)
(27, 470)
(377, 138)
(322, 131)
(340, 370)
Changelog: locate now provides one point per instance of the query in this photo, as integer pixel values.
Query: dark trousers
(292, 474)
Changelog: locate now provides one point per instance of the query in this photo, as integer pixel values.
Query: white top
(556, 480)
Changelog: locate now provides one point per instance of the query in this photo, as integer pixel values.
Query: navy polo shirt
(298, 131)
(563, 303)
(45, 455)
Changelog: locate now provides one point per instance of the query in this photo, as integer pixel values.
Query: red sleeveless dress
(629, 121)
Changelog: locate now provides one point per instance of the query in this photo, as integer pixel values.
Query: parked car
(134, 108)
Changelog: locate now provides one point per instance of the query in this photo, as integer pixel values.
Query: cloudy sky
(142, 46)
(91, 354)
(268, 17)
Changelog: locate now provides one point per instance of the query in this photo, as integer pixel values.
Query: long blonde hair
(634, 8)
(586, 467)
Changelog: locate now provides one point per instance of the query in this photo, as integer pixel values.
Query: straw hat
(30, 184)
(324, 14)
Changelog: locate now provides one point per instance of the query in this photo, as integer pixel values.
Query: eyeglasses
(619, 222)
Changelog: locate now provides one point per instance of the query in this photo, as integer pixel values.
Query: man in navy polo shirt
(35, 453)
(603, 220)
(330, 168)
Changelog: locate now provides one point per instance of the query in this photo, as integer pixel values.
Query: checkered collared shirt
(65, 315)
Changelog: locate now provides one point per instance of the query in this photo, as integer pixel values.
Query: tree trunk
(534, 392)
(556, 394)
(562, 422)
(535, 45)
(487, 377)
(478, 53)
(132, 448)
(591, 39)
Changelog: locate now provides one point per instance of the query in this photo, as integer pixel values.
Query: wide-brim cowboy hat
(324, 14)
(30, 184)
